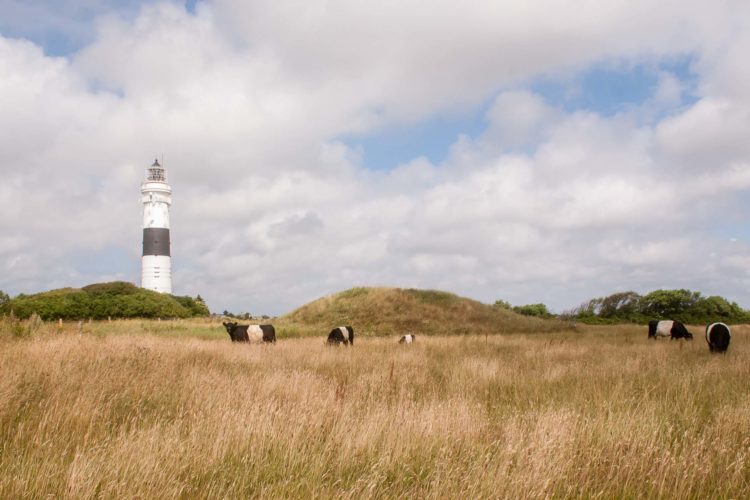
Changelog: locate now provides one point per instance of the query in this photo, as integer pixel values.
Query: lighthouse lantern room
(156, 262)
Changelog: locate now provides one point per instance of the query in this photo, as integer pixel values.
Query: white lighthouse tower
(156, 263)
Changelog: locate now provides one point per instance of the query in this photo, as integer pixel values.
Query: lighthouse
(156, 262)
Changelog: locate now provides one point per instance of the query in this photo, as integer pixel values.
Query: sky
(550, 151)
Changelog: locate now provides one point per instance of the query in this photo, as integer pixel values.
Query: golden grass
(601, 412)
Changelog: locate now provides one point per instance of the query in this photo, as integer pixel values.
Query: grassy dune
(394, 311)
(601, 412)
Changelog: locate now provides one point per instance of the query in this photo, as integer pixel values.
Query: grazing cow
(668, 328)
(341, 335)
(718, 337)
(407, 339)
(250, 333)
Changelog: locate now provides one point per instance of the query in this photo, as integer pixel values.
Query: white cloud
(708, 135)
(518, 119)
(246, 101)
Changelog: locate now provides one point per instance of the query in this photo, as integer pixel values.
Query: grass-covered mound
(117, 299)
(393, 311)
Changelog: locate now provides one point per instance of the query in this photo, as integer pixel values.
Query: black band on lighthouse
(156, 241)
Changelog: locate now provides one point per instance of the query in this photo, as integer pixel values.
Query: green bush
(195, 305)
(682, 305)
(4, 301)
(538, 310)
(106, 300)
(502, 304)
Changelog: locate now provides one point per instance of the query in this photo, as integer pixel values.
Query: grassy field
(173, 409)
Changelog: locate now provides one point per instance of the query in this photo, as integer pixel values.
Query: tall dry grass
(601, 412)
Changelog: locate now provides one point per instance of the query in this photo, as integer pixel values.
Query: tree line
(631, 307)
(124, 300)
(117, 299)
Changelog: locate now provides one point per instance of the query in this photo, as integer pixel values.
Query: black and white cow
(341, 335)
(407, 339)
(250, 333)
(718, 336)
(668, 328)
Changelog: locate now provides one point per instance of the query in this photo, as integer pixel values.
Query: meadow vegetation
(117, 299)
(394, 311)
(682, 305)
(172, 409)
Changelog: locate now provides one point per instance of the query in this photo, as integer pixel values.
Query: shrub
(106, 300)
(195, 305)
(682, 305)
(4, 301)
(538, 310)
(501, 304)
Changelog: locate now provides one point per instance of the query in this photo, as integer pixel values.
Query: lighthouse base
(156, 273)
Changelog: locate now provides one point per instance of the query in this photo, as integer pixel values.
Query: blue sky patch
(387, 148)
(603, 89)
(609, 89)
(64, 29)
(190, 6)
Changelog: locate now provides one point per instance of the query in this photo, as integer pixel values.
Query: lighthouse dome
(156, 172)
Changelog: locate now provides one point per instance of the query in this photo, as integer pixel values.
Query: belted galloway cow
(341, 335)
(407, 339)
(668, 328)
(718, 336)
(250, 333)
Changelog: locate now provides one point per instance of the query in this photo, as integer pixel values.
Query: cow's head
(688, 336)
(230, 328)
